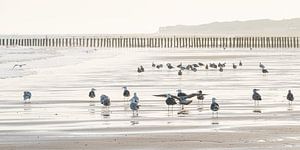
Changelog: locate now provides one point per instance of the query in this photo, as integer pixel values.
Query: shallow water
(60, 80)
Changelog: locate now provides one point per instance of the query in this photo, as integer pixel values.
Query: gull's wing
(191, 95)
(166, 95)
(161, 95)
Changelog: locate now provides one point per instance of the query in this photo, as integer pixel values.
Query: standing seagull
(240, 64)
(182, 97)
(105, 100)
(200, 96)
(169, 101)
(261, 65)
(234, 66)
(290, 97)
(134, 104)
(26, 96)
(180, 73)
(256, 97)
(221, 69)
(153, 65)
(142, 68)
(126, 92)
(214, 107)
(92, 93)
(139, 70)
(264, 70)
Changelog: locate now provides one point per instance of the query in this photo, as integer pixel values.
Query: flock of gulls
(196, 66)
(181, 98)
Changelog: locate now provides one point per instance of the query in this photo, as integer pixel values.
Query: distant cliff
(289, 27)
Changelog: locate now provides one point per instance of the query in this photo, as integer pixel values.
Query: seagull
(153, 65)
(105, 100)
(214, 107)
(180, 65)
(182, 97)
(221, 69)
(169, 66)
(27, 96)
(134, 104)
(234, 66)
(189, 67)
(256, 97)
(142, 68)
(240, 64)
(159, 66)
(92, 93)
(179, 72)
(126, 92)
(139, 70)
(195, 65)
(290, 97)
(169, 101)
(264, 70)
(18, 65)
(200, 64)
(194, 69)
(261, 65)
(213, 65)
(200, 95)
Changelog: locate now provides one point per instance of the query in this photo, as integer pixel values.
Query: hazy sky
(131, 16)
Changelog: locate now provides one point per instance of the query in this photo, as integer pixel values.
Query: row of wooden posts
(155, 42)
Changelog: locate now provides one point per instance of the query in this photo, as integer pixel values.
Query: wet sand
(270, 137)
(61, 116)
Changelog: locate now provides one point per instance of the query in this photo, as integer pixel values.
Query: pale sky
(131, 16)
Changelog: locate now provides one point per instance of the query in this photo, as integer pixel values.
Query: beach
(62, 116)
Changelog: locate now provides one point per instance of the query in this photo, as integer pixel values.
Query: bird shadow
(91, 108)
(215, 121)
(27, 106)
(105, 112)
(290, 107)
(200, 106)
(183, 113)
(134, 120)
(257, 110)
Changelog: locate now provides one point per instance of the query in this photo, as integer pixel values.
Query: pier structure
(150, 41)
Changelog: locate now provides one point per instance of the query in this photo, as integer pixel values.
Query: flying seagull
(18, 65)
